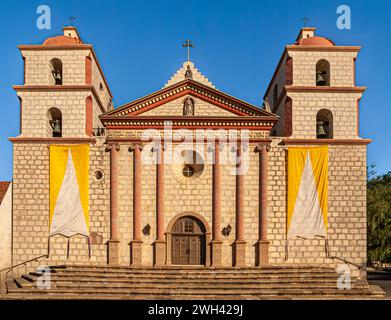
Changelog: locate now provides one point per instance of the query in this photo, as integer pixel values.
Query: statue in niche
(188, 107)
(188, 73)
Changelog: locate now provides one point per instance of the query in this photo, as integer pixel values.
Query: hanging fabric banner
(307, 192)
(69, 190)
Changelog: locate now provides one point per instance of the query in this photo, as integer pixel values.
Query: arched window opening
(56, 69)
(275, 95)
(322, 73)
(54, 116)
(324, 124)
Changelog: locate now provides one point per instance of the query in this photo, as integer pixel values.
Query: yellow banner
(69, 188)
(307, 190)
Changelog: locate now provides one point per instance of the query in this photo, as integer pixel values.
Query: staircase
(169, 283)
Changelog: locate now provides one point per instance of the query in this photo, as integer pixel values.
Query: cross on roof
(188, 44)
(72, 20)
(305, 20)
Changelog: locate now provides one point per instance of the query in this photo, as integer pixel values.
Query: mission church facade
(280, 184)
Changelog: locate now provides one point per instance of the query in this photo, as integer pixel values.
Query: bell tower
(62, 96)
(314, 91)
(64, 89)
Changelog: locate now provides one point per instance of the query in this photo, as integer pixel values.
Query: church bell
(320, 132)
(56, 126)
(319, 79)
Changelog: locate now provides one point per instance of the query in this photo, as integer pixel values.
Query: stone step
(178, 277)
(187, 280)
(16, 296)
(191, 293)
(193, 287)
(210, 273)
(94, 282)
(188, 270)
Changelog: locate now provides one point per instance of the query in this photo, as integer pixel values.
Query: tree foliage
(379, 218)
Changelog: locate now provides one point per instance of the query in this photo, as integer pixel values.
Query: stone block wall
(194, 196)
(341, 67)
(31, 208)
(347, 207)
(343, 106)
(38, 69)
(100, 85)
(35, 106)
(346, 204)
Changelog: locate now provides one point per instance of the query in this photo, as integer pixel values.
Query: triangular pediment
(203, 95)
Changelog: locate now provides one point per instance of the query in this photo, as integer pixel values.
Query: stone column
(137, 242)
(113, 243)
(240, 243)
(263, 243)
(217, 243)
(160, 243)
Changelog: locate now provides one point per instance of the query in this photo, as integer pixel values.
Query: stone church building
(189, 175)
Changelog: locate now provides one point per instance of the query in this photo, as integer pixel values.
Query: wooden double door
(188, 242)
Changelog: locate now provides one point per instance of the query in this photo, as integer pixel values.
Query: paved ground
(382, 279)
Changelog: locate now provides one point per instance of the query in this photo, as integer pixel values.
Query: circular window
(188, 165)
(188, 170)
(98, 175)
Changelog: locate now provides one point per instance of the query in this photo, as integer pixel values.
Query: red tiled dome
(62, 41)
(316, 41)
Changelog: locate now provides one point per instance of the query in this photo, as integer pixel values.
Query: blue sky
(238, 45)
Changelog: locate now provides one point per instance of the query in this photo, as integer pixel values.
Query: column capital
(242, 146)
(112, 145)
(212, 147)
(135, 146)
(261, 146)
(159, 146)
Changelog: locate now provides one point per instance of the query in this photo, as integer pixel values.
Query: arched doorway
(188, 243)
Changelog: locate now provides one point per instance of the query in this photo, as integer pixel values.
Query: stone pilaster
(217, 243)
(160, 243)
(136, 243)
(113, 243)
(240, 243)
(263, 243)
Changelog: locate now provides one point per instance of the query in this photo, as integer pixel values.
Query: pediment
(169, 102)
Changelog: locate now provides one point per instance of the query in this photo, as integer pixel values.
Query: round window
(188, 170)
(98, 175)
(188, 165)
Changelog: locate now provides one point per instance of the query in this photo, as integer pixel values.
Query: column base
(159, 253)
(262, 253)
(217, 253)
(113, 252)
(239, 253)
(136, 253)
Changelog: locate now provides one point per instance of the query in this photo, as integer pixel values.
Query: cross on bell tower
(72, 20)
(305, 21)
(188, 44)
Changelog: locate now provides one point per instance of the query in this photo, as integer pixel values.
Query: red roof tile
(3, 189)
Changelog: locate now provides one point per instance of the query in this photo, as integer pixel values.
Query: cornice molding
(288, 141)
(325, 89)
(65, 87)
(261, 141)
(45, 140)
(320, 48)
(155, 122)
